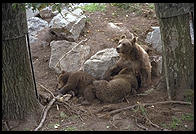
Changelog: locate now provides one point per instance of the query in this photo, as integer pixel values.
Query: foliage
(70, 129)
(188, 117)
(134, 7)
(39, 6)
(63, 115)
(125, 6)
(178, 121)
(189, 95)
(93, 7)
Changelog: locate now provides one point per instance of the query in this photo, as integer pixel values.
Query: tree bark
(179, 52)
(18, 93)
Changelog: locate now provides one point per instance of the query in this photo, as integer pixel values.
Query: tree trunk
(179, 51)
(18, 93)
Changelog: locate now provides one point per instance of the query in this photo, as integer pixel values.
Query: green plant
(70, 129)
(165, 126)
(125, 6)
(93, 7)
(188, 117)
(63, 115)
(151, 5)
(189, 95)
(175, 122)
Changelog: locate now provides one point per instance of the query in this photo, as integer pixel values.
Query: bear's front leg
(114, 70)
(145, 78)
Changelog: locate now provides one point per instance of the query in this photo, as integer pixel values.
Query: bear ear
(134, 39)
(123, 36)
(63, 72)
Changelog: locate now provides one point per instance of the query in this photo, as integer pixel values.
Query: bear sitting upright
(80, 82)
(132, 55)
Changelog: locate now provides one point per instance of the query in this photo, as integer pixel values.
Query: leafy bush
(93, 7)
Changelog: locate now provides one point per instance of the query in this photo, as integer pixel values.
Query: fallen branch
(46, 111)
(140, 126)
(46, 89)
(149, 104)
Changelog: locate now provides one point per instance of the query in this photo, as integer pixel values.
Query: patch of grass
(175, 122)
(178, 121)
(63, 115)
(93, 7)
(189, 95)
(132, 7)
(188, 117)
(151, 6)
(125, 6)
(70, 129)
(164, 126)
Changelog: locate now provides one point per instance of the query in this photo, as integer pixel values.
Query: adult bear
(132, 55)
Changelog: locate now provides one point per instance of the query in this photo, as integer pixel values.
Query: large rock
(154, 38)
(35, 25)
(30, 13)
(46, 12)
(67, 56)
(70, 22)
(100, 62)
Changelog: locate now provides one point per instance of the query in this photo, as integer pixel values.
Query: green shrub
(93, 7)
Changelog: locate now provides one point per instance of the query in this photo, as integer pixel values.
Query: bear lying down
(116, 89)
(83, 84)
(79, 82)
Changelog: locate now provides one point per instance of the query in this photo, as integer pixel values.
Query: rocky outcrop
(35, 25)
(70, 22)
(100, 62)
(68, 56)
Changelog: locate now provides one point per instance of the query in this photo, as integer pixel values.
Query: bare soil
(95, 117)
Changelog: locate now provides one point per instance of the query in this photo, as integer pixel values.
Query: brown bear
(80, 82)
(116, 89)
(132, 55)
(154, 58)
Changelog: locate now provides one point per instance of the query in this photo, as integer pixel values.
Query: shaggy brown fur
(80, 82)
(152, 55)
(132, 56)
(116, 89)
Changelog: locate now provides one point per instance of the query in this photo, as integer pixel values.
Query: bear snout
(118, 48)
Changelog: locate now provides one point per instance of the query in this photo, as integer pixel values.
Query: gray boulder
(70, 22)
(67, 56)
(46, 12)
(154, 38)
(35, 25)
(30, 13)
(98, 64)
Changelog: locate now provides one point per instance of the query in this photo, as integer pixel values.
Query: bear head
(62, 79)
(125, 46)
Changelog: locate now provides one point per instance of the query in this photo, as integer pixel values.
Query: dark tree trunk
(18, 93)
(178, 49)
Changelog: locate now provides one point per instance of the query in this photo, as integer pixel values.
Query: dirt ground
(96, 117)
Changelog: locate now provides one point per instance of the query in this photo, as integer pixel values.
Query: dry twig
(140, 126)
(149, 104)
(45, 112)
(46, 89)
